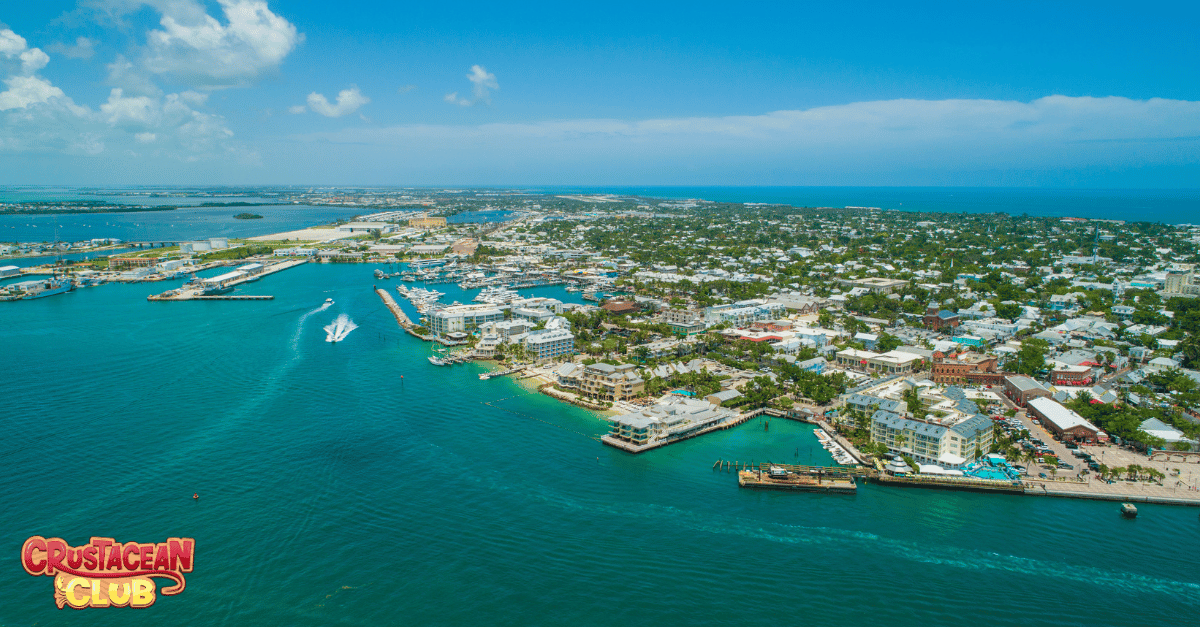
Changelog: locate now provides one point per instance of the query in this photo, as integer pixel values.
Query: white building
(463, 318)
(948, 446)
(365, 227)
(550, 343)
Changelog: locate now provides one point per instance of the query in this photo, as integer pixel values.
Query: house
(816, 364)
(869, 340)
(1124, 312)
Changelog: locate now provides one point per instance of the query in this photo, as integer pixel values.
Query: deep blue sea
(1172, 206)
(356, 484)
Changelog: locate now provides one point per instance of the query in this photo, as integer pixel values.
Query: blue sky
(790, 93)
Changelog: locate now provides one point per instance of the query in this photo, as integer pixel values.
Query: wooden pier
(798, 479)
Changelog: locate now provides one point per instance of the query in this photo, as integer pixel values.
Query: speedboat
(328, 301)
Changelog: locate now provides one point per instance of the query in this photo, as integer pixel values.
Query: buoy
(196, 496)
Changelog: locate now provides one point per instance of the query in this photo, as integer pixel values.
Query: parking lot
(1181, 479)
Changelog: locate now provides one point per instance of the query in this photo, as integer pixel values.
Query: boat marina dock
(217, 288)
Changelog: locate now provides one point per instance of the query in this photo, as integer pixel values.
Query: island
(248, 216)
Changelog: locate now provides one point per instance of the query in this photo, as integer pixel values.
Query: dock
(191, 292)
(233, 297)
(798, 479)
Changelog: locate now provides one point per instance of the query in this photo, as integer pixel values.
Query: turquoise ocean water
(356, 484)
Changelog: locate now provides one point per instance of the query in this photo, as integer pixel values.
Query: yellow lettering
(96, 600)
(72, 600)
(117, 597)
(143, 592)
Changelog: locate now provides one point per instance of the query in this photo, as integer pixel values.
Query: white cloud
(11, 44)
(24, 91)
(33, 60)
(83, 48)
(482, 82)
(122, 73)
(297, 109)
(197, 48)
(348, 101)
(37, 116)
(842, 144)
(136, 110)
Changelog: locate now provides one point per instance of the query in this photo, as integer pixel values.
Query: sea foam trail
(339, 328)
(300, 323)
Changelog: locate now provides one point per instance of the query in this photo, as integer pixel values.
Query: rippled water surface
(353, 483)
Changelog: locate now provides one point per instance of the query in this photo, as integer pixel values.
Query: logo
(105, 573)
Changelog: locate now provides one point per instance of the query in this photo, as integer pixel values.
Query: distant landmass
(248, 216)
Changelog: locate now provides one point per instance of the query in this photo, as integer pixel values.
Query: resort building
(671, 419)
(464, 318)
(611, 383)
(1182, 283)
(948, 446)
(549, 343)
(1065, 423)
(683, 321)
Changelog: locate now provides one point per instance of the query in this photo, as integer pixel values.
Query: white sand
(304, 235)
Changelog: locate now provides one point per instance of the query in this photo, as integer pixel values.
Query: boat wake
(300, 323)
(337, 330)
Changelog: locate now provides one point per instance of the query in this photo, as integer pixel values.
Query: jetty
(401, 317)
(491, 375)
(799, 479)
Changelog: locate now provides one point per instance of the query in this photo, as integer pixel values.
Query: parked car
(1042, 475)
